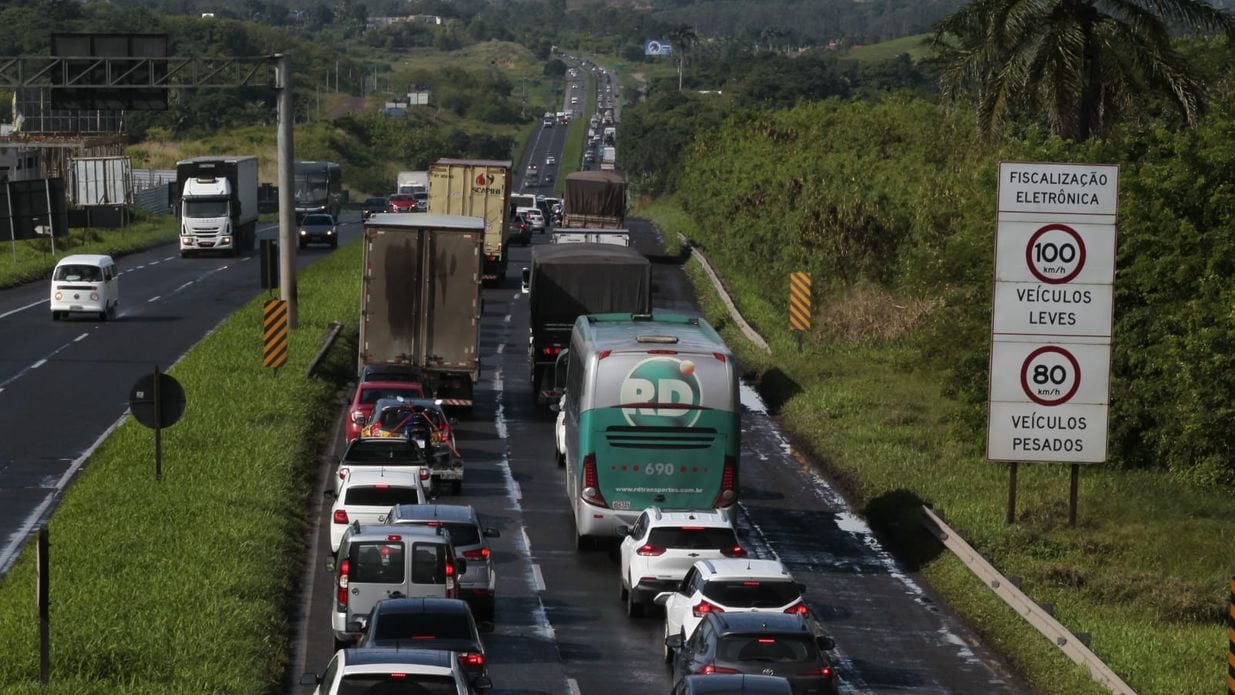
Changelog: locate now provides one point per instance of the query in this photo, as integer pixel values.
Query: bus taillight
(728, 484)
(591, 485)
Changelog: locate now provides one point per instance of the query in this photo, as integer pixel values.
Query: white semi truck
(216, 201)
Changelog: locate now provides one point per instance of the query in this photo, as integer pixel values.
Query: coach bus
(650, 417)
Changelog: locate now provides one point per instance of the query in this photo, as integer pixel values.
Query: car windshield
(773, 648)
(324, 220)
(460, 534)
(384, 496)
(422, 627)
(78, 273)
(693, 538)
(389, 451)
(401, 683)
(751, 594)
(371, 395)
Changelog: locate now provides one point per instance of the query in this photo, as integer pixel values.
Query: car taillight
(825, 672)
(473, 659)
(343, 473)
(424, 474)
(344, 568)
(478, 554)
(728, 484)
(450, 569)
(798, 608)
(340, 516)
(735, 551)
(713, 668)
(591, 483)
(649, 550)
(703, 608)
(553, 350)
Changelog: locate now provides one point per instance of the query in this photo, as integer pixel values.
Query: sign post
(157, 401)
(799, 305)
(274, 334)
(1052, 319)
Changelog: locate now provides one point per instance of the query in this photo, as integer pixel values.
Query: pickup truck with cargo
(476, 188)
(569, 280)
(420, 300)
(216, 201)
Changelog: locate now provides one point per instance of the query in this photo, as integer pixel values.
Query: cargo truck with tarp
(476, 188)
(595, 199)
(420, 300)
(566, 281)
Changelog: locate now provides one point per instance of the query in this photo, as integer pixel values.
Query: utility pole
(287, 211)
(336, 77)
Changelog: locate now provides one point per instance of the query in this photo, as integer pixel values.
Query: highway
(560, 627)
(64, 385)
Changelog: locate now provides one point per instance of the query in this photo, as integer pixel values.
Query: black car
(372, 206)
(732, 684)
(769, 644)
(427, 623)
(519, 231)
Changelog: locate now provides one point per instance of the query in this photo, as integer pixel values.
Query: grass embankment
(185, 586)
(1144, 573)
(576, 135)
(887, 50)
(35, 260)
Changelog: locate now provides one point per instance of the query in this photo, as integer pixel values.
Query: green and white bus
(651, 418)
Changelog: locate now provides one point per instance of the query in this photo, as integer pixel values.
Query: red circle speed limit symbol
(1055, 254)
(1050, 375)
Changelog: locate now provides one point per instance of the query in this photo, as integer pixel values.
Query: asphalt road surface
(560, 625)
(80, 370)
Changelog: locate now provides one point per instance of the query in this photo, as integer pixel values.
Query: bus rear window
(379, 562)
(693, 538)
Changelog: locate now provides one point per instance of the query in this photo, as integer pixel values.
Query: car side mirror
(662, 598)
(674, 641)
(358, 419)
(801, 588)
(328, 494)
(622, 531)
(485, 626)
(330, 564)
(825, 643)
(460, 566)
(358, 624)
(482, 683)
(310, 679)
(491, 532)
(526, 284)
(555, 407)
(453, 421)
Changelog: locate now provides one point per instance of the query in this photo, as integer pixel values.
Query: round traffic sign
(1055, 254)
(1050, 375)
(170, 404)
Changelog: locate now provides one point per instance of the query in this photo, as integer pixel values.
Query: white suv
(729, 586)
(375, 669)
(661, 547)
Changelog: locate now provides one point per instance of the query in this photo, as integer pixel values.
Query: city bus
(650, 417)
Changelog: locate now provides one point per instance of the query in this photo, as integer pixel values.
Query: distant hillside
(876, 52)
(806, 22)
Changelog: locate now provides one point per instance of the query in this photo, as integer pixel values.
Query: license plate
(75, 307)
(205, 243)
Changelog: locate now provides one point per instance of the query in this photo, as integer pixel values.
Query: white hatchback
(662, 546)
(729, 586)
(368, 495)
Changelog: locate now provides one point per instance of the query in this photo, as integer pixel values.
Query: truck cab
(206, 215)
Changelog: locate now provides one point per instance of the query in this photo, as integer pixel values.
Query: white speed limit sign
(1050, 374)
(1055, 253)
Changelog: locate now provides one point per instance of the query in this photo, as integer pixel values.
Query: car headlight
(303, 232)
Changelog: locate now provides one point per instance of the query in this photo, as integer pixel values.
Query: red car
(370, 392)
(402, 202)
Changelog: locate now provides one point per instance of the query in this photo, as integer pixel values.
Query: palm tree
(1079, 63)
(682, 37)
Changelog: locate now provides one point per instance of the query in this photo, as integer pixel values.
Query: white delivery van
(85, 284)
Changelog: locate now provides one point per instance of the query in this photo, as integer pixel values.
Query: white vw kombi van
(85, 284)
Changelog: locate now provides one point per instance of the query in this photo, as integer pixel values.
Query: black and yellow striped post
(1230, 641)
(799, 305)
(274, 333)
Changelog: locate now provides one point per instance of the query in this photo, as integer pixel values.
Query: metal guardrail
(1035, 615)
(331, 336)
(751, 334)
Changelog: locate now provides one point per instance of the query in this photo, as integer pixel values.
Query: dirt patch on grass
(868, 313)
